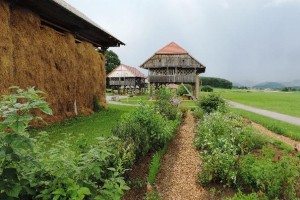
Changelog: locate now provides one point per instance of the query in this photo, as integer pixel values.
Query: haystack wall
(40, 57)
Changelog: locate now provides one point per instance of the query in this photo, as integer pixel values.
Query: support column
(197, 87)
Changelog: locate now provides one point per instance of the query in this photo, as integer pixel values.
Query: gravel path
(180, 165)
(274, 115)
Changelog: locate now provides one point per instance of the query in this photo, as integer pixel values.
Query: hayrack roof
(173, 55)
(133, 72)
(63, 16)
(172, 48)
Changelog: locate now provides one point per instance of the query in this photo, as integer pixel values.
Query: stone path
(180, 166)
(274, 115)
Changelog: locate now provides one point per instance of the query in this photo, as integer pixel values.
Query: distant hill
(294, 83)
(271, 85)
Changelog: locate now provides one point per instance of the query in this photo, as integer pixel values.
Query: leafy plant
(16, 112)
(17, 109)
(155, 164)
(271, 173)
(207, 88)
(211, 103)
(252, 196)
(97, 107)
(164, 103)
(145, 129)
(181, 90)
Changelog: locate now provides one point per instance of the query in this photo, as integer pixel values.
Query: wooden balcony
(172, 78)
(119, 83)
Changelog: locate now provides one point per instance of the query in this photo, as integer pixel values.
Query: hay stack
(32, 55)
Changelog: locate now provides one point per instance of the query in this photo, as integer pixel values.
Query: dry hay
(40, 57)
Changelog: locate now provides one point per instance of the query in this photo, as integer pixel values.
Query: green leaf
(83, 191)
(13, 191)
(18, 127)
(59, 191)
(47, 110)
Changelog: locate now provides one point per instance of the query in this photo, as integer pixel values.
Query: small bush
(198, 113)
(182, 91)
(211, 103)
(207, 88)
(165, 103)
(252, 196)
(96, 105)
(273, 174)
(145, 129)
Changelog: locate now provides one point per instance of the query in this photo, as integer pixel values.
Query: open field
(99, 124)
(281, 102)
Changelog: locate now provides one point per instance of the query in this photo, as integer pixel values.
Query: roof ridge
(172, 48)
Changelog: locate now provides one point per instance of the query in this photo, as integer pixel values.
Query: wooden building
(173, 64)
(49, 45)
(127, 78)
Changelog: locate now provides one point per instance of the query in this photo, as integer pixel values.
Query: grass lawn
(137, 99)
(96, 125)
(274, 125)
(281, 102)
(145, 99)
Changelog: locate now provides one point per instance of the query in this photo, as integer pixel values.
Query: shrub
(182, 91)
(252, 196)
(145, 129)
(271, 173)
(211, 103)
(96, 105)
(198, 113)
(29, 170)
(207, 88)
(223, 139)
(165, 103)
(16, 148)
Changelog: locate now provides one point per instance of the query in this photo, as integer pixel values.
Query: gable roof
(174, 56)
(130, 72)
(172, 48)
(62, 15)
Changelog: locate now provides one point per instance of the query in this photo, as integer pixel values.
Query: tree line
(215, 82)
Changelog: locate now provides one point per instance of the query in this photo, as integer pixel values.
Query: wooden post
(197, 87)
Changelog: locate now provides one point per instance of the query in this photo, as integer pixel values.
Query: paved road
(274, 115)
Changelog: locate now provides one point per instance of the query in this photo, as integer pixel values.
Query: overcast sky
(240, 40)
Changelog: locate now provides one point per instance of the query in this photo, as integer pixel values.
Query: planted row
(30, 169)
(236, 156)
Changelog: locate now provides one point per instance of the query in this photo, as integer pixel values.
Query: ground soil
(180, 166)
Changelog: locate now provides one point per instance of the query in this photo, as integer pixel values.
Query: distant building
(173, 64)
(127, 78)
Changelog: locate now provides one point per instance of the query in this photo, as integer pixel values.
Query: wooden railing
(121, 83)
(172, 78)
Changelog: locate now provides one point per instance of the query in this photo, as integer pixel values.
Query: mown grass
(145, 99)
(273, 125)
(281, 102)
(90, 127)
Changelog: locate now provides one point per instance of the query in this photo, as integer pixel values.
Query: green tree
(112, 61)
(216, 82)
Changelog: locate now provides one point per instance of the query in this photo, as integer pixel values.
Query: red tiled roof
(172, 48)
(134, 71)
